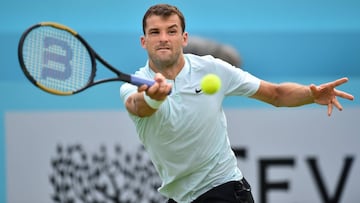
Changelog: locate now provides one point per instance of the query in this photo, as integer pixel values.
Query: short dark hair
(163, 10)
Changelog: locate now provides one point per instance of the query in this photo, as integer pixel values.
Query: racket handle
(135, 80)
(140, 81)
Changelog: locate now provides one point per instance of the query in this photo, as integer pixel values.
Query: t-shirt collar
(183, 73)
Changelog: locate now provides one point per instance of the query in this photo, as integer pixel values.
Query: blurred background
(301, 151)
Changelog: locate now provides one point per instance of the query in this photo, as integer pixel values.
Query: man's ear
(142, 42)
(185, 39)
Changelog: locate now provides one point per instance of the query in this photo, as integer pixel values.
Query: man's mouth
(163, 48)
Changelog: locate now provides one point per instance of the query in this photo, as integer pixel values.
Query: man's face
(164, 40)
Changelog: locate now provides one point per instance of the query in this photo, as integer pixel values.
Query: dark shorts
(230, 192)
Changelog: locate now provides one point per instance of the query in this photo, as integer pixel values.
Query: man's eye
(154, 32)
(172, 32)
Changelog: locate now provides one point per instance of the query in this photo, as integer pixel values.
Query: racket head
(56, 59)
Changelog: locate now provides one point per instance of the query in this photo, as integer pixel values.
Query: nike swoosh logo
(198, 90)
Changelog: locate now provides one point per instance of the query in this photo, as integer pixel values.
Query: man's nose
(164, 36)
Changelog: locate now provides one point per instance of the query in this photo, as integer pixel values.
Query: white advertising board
(288, 156)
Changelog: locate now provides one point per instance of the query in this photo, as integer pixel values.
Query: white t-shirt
(187, 138)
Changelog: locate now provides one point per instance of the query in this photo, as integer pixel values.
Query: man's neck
(169, 72)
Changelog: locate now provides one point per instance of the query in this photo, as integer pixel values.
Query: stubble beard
(163, 63)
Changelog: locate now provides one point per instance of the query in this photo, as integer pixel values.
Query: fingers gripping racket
(58, 60)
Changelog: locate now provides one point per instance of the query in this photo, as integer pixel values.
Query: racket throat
(125, 78)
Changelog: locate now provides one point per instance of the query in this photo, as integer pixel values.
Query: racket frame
(93, 58)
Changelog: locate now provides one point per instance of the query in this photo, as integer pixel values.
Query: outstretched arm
(293, 94)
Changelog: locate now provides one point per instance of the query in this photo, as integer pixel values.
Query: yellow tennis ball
(210, 83)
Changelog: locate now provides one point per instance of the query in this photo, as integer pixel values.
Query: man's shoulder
(197, 61)
(199, 57)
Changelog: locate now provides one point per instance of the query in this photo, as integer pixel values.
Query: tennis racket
(58, 60)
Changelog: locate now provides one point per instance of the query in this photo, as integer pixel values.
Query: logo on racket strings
(57, 55)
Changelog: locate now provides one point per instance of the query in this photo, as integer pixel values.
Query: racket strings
(56, 59)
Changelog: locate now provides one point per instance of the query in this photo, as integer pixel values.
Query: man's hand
(326, 94)
(159, 90)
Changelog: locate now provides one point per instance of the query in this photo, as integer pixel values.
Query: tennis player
(185, 133)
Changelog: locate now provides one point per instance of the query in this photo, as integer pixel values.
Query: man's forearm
(293, 94)
(137, 105)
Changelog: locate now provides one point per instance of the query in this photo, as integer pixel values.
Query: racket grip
(135, 80)
(141, 81)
